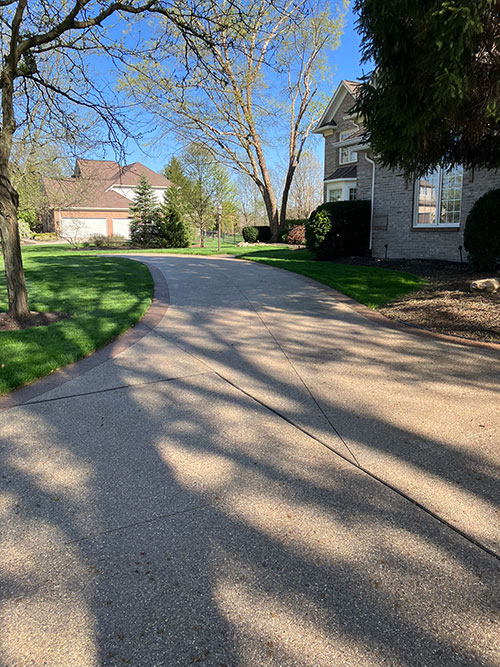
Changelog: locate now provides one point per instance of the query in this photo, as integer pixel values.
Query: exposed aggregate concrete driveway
(236, 489)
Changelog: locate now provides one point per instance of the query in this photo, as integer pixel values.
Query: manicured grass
(105, 296)
(369, 285)
(227, 248)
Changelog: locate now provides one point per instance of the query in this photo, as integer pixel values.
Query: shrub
(339, 229)
(283, 235)
(482, 232)
(297, 235)
(264, 233)
(98, 240)
(250, 234)
(45, 236)
(24, 229)
(117, 240)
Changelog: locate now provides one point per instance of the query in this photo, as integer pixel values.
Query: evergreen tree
(434, 96)
(144, 228)
(174, 229)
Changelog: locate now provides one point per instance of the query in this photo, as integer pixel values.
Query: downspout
(372, 162)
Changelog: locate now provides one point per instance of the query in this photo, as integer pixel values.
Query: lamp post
(219, 216)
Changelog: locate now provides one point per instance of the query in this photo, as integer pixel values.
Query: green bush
(98, 240)
(250, 234)
(45, 236)
(264, 233)
(482, 232)
(283, 235)
(24, 229)
(339, 229)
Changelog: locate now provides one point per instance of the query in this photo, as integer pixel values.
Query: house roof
(343, 172)
(344, 88)
(92, 183)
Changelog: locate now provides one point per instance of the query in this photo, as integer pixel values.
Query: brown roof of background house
(91, 183)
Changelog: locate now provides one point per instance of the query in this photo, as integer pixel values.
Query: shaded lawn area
(369, 285)
(104, 296)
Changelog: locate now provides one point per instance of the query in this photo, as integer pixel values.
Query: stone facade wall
(331, 151)
(393, 218)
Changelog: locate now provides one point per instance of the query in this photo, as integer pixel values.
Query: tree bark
(11, 250)
(9, 232)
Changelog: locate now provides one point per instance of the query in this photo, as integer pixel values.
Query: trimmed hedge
(261, 233)
(250, 234)
(339, 229)
(482, 232)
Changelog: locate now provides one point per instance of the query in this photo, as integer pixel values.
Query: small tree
(174, 230)
(144, 228)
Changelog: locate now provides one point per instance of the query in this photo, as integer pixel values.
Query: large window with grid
(438, 197)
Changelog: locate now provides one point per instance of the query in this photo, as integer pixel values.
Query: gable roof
(344, 88)
(92, 183)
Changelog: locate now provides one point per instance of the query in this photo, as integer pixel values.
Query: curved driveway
(236, 489)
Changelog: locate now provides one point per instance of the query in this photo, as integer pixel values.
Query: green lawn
(369, 285)
(105, 296)
(228, 247)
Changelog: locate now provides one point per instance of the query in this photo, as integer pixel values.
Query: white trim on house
(437, 206)
(331, 109)
(343, 184)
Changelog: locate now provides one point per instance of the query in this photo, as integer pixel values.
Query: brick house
(414, 220)
(96, 199)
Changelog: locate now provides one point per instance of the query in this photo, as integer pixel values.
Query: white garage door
(121, 226)
(82, 228)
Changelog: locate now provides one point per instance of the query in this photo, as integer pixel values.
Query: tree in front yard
(174, 229)
(434, 96)
(259, 87)
(145, 213)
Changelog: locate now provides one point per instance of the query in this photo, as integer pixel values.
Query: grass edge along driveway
(104, 296)
(369, 285)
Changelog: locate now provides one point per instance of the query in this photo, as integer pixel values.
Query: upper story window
(345, 135)
(438, 197)
(347, 154)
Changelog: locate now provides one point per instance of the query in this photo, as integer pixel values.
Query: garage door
(82, 228)
(121, 226)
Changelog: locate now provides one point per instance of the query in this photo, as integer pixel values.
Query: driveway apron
(266, 478)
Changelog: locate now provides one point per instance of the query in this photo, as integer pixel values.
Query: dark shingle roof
(343, 172)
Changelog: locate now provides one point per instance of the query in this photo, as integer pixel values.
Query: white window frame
(344, 184)
(437, 224)
(351, 153)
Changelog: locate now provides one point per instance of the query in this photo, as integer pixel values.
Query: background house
(423, 219)
(96, 199)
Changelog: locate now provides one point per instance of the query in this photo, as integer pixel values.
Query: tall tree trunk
(285, 195)
(11, 250)
(9, 232)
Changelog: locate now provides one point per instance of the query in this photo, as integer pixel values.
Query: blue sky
(344, 63)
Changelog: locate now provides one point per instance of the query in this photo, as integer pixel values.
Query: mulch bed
(35, 319)
(445, 304)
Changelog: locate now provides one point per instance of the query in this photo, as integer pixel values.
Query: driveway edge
(154, 314)
(377, 317)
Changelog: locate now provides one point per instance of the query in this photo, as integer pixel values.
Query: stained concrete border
(154, 314)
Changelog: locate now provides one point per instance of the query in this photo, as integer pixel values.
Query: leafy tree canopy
(434, 97)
